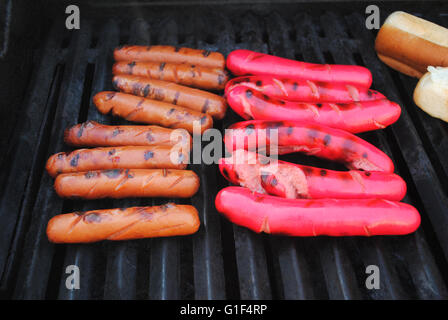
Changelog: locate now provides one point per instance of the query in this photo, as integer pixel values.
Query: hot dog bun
(410, 44)
(431, 93)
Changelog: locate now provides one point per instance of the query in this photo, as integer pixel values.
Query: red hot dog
(305, 90)
(244, 62)
(353, 117)
(306, 218)
(288, 180)
(318, 140)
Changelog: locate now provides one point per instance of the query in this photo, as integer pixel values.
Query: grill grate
(222, 260)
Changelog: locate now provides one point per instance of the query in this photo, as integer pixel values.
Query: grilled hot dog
(127, 183)
(130, 157)
(123, 224)
(194, 99)
(184, 74)
(170, 54)
(94, 134)
(139, 109)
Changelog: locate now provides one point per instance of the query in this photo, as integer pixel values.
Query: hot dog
(170, 54)
(306, 218)
(353, 117)
(94, 134)
(244, 62)
(127, 183)
(288, 180)
(131, 157)
(318, 140)
(184, 74)
(194, 99)
(305, 90)
(139, 109)
(123, 224)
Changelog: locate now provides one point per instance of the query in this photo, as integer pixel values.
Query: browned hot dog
(184, 74)
(170, 54)
(130, 157)
(195, 99)
(127, 183)
(94, 134)
(149, 111)
(123, 224)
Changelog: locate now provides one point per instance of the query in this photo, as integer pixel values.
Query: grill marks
(113, 173)
(176, 97)
(146, 90)
(205, 107)
(74, 161)
(116, 132)
(148, 155)
(131, 66)
(110, 96)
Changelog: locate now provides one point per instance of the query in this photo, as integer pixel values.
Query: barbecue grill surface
(221, 261)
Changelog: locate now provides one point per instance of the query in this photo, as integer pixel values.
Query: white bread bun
(410, 44)
(431, 93)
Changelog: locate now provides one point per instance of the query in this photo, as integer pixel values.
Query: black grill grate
(221, 260)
